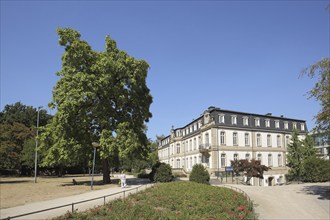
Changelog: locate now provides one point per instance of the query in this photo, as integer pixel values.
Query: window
(235, 138)
(245, 121)
(294, 125)
(287, 141)
(267, 123)
(259, 140)
(178, 148)
(269, 140)
(247, 157)
(279, 159)
(223, 160)
(286, 125)
(178, 163)
(270, 160)
(235, 156)
(195, 160)
(233, 119)
(195, 127)
(184, 133)
(278, 140)
(183, 147)
(257, 122)
(222, 138)
(207, 141)
(259, 157)
(277, 124)
(302, 126)
(190, 145)
(195, 144)
(222, 119)
(247, 139)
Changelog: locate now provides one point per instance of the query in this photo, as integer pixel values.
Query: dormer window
(233, 119)
(267, 123)
(294, 125)
(277, 124)
(245, 121)
(302, 127)
(221, 118)
(286, 125)
(257, 122)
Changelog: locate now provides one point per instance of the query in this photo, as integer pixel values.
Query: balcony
(204, 148)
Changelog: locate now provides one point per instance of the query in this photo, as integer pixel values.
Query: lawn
(175, 200)
(22, 190)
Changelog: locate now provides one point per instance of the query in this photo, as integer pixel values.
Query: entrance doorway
(270, 181)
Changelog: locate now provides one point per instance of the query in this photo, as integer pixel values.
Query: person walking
(123, 180)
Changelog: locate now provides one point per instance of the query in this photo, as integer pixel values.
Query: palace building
(219, 136)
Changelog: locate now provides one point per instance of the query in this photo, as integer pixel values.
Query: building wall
(208, 138)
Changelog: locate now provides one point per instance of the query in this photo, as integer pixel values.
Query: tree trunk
(106, 171)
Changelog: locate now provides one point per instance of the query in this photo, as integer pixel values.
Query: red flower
(241, 208)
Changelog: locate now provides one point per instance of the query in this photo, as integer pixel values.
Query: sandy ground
(15, 191)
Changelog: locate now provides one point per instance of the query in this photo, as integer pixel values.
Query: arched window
(247, 157)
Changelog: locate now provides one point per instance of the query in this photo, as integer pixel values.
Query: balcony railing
(204, 147)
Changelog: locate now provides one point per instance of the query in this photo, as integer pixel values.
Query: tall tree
(18, 131)
(321, 91)
(298, 152)
(98, 95)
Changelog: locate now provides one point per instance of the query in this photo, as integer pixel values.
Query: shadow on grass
(322, 191)
(15, 181)
(88, 183)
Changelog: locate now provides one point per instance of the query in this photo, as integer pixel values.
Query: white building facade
(219, 136)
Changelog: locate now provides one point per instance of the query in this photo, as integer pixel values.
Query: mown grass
(175, 200)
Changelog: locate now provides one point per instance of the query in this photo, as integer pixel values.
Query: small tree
(163, 173)
(250, 169)
(199, 174)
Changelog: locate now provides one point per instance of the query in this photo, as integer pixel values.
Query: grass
(175, 200)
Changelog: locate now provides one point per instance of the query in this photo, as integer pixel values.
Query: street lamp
(36, 150)
(95, 145)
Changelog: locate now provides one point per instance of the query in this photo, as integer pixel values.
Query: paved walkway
(133, 184)
(295, 201)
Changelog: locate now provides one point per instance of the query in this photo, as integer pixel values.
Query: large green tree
(17, 133)
(298, 151)
(100, 97)
(321, 91)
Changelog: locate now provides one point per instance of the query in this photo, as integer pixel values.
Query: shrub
(163, 173)
(316, 170)
(199, 174)
(142, 174)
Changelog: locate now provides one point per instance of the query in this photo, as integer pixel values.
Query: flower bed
(175, 200)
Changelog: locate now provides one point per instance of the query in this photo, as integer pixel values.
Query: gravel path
(295, 201)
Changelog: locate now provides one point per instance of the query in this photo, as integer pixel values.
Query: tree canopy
(250, 169)
(298, 151)
(100, 97)
(321, 91)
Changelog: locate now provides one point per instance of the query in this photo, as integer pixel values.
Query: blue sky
(238, 55)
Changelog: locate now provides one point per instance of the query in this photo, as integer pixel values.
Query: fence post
(104, 200)
(72, 207)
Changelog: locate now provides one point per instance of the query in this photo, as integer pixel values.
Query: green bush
(163, 173)
(316, 170)
(142, 174)
(199, 174)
